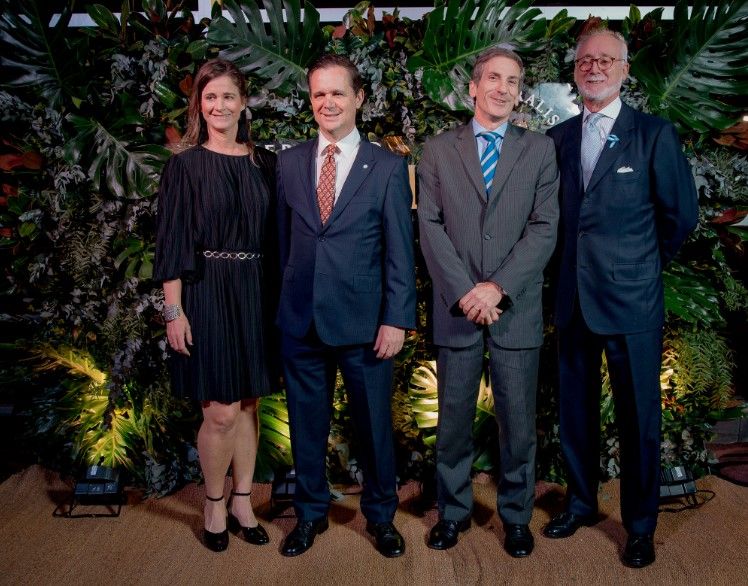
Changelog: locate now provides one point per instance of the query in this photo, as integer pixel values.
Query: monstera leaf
(697, 76)
(278, 56)
(112, 158)
(690, 296)
(456, 33)
(37, 56)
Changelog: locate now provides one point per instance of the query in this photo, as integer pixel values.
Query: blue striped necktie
(490, 157)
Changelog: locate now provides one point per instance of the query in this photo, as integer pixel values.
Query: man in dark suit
(488, 213)
(347, 297)
(627, 204)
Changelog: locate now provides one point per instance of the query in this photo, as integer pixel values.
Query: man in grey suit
(488, 212)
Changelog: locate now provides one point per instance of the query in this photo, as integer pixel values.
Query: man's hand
(179, 334)
(480, 304)
(389, 341)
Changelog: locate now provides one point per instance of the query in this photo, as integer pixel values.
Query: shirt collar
(610, 111)
(477, 128)
(346, 145)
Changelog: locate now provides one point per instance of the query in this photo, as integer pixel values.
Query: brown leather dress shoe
(444, 534)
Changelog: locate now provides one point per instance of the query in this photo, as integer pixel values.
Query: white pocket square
(625, 170)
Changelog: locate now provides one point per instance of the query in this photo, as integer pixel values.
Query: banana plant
(279, 54)
(696, 75)
(456, 33)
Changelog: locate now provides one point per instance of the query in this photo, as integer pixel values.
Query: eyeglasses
(603, 63)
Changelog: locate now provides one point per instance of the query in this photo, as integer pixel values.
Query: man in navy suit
(628, 202)
(347, 297)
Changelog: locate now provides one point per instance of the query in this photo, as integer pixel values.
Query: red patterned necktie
(326, 185)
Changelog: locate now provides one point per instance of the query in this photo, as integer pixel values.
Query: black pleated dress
(221, 203)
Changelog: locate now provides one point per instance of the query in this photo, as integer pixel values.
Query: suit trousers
(310, 369)
(634, 367)
(514, 378)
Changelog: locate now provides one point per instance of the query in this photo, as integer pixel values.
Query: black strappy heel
(216, 541)
(254, 535)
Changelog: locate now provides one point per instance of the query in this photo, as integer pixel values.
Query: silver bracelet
(171, 312)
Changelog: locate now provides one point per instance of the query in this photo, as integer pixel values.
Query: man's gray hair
(497, 51)
(605, 31)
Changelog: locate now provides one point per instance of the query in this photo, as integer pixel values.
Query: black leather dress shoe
(444, 534)
(566, 524)
(639, 551)
(518, 542)
(389, 541)
(302, 536)
(255, 535)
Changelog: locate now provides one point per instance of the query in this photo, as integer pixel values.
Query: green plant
(279, 55)
(86, 113)
(694, 72)
(457, 32)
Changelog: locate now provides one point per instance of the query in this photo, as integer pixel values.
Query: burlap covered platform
(156, 542)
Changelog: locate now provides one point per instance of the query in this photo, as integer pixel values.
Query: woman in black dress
(212, 256)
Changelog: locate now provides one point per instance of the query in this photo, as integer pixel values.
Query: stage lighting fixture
(98, 487)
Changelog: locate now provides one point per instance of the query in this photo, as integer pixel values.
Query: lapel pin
(366, 166)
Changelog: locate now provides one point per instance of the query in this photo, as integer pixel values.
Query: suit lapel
(306, 167)
(468, 151)
(571, 153)
(362, 167)
(511, 148)
(622, 128)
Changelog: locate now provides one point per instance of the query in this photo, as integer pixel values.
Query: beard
(601, 93)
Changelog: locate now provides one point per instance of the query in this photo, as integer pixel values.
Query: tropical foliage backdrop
(88, 115)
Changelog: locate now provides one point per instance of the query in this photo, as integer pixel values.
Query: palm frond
(456, 33)
(274, 449)
(278, 56)
(75, 361)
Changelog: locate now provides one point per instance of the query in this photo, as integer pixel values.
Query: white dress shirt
(343, 160)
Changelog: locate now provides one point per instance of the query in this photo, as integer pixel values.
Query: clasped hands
(480, 304)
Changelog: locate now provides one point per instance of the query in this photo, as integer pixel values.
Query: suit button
(486, 237)
(322, 239)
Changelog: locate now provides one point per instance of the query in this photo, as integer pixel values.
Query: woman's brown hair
(197, 129)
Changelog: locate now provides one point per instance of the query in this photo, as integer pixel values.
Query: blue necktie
(490, 157)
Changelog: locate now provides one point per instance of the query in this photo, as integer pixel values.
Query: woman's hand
(179, 334)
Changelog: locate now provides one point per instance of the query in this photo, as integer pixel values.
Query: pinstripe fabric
(505, 237)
